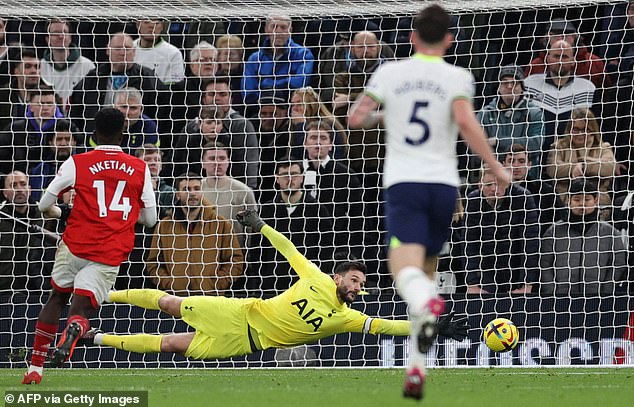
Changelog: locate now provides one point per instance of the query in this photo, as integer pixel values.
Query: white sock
(98, 339)
(415, 288)
(38, 369)
(416, 359)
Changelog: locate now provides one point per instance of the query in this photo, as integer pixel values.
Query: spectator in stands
(581, 154)
(4, 55)
(543, 193)
(188, 148)
(153, 52)
(132, 273)
(344, 72)
(346, 67)
(274, 136)
(334, 186)
(194, 252)
(587, 65)
(62, 142)
(21, 248)
(100, 85)
(502, 239)
(227, 194)
(242, 138)
(231, 64)
(306, 106)
(302, 219)
(23, 143)
(558, 90)
(62, 65)
(139, 128)
(153, 157)
(25, 75)
(186, 96)
(618, 38)
(214, 125)
(202, 68)
(511, 118)
(581, 255)
(280, 63)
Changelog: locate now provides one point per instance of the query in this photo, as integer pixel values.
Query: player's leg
(144, 343)
(417, 288)
(412, 212)
(148, 299)
(45, 331)
(92, 283)
(418, 218)
(82, 308)
(62, 278)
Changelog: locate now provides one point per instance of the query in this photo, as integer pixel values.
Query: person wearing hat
(588, 65)
(512, 118)
(582, 255)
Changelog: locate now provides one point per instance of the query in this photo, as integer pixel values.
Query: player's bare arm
(47, 206)
(365, 113)
(472, 133)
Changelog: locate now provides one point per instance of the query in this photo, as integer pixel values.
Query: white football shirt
(417, 96)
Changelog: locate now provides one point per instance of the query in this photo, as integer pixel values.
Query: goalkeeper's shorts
(221, 326)
(420, 213)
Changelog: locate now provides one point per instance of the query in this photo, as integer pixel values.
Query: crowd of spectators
(232, 120)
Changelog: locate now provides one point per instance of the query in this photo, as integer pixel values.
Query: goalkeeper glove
(453, 329)
(250, 218)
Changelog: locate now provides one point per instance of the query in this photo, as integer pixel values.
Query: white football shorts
(81, 276)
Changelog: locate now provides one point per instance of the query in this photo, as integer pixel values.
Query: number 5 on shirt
(415, 119)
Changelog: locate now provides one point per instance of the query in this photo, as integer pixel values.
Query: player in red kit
(113, 191)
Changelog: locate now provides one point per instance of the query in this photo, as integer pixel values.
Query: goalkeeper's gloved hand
(250, 218)
(65, 212)
(457, 329)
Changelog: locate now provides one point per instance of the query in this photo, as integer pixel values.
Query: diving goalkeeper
(315, 307)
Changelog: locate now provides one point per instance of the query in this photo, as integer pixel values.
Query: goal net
(243, 104)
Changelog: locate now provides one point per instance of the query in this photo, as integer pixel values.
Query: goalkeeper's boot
(428, 328)
(66, 344)
(414, 383)
(89, 337)
(32, 378)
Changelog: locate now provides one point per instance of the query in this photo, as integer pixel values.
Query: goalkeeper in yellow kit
(315, 307)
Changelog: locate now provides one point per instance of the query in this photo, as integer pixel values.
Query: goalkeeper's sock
(141, 343)
(415, 288)
(44, 336)
(144, 298)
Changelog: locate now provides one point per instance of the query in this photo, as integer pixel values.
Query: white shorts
(81, 276)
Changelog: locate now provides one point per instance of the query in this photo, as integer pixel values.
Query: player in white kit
(425, 102)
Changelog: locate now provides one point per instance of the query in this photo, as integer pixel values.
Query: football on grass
(501, 335)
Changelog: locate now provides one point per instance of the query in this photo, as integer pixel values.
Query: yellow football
(501, 335)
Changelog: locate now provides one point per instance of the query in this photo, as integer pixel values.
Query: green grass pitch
(542, 387)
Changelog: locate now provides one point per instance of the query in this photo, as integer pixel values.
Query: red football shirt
(110, 187)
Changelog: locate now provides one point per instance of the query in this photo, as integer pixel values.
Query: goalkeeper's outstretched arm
(447, 326)
(297, 260)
